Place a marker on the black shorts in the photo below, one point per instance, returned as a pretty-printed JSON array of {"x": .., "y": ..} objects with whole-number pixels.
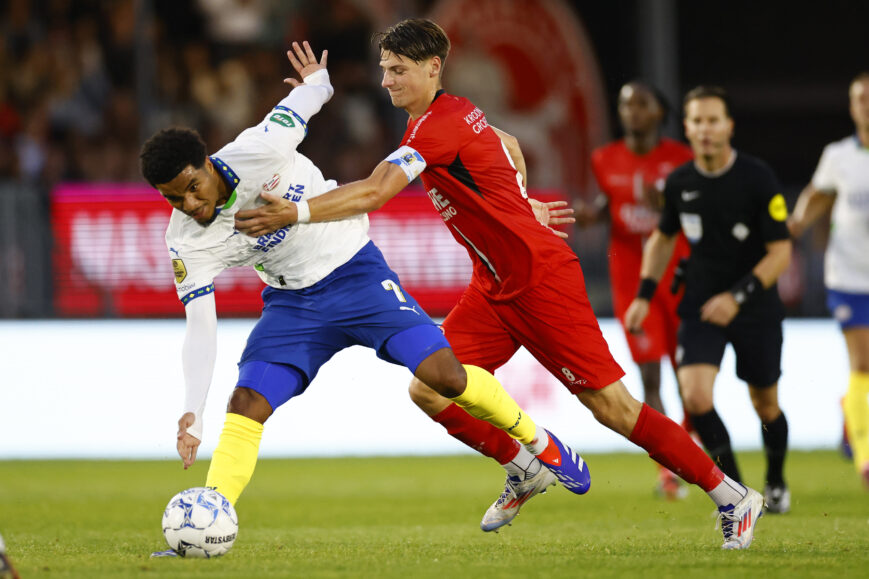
[{"x": 757, "y": 344}]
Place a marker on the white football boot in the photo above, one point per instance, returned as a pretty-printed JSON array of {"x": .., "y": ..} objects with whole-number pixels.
[
  {"x": 514, "y": 496},
  {"x": 738, "y": 521}
]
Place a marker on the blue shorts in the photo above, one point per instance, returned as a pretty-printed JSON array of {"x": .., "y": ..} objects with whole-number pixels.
[
  {"x": 849, "y": 309},
  {"x": 360, "y": 303}
]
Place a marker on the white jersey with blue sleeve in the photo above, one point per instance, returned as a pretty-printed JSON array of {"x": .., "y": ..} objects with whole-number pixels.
[
  {"x": 261, "y": 159},
  {"x": 844, "y": 171},
  {"x": 264, "y": 159}
]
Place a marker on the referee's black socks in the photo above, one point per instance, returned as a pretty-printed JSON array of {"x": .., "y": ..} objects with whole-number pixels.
[
  {"x": 775, "y": 444},
  {"x": 713, "y": 434}
]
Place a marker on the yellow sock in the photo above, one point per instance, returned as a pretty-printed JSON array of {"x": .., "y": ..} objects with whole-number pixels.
[
  {"x": 856, "y": 409},
  {"x": 234, "y": 459},
  {"x": 486, "y": 399}
]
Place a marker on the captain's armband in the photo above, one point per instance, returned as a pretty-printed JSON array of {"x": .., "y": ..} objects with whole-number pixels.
[{"x": 409, "y": 161}]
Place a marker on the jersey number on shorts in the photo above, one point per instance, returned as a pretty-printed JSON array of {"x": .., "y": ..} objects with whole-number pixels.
[{"x": 390, "y": 285}]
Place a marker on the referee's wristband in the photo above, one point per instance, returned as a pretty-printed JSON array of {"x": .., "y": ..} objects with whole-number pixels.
[
  {"x": 303, "y": 211},
  {"x": 747, "y": 289},
  {"x": 647, "y": 289}
]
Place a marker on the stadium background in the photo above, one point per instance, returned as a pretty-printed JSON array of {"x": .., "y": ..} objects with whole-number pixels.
[{"x": 83, "y": 83}]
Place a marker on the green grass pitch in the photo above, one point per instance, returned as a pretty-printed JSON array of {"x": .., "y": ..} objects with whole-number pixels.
[{"x": 419, "y": 517}]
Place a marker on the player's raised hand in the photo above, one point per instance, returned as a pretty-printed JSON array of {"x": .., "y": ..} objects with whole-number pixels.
[
  {"x": 303, "y": 60},
  {"x": 552, "y": 213},
  {"x": 187, "y": 444},
  {"x": 276, "y": 213}
]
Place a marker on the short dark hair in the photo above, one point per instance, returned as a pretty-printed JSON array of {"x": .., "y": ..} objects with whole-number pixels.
[
  {"x": 863, "y": 76},
  {"x": 705, "y": 92},
  {"x": 416, "y": 38},
  {"x": 168, "y": 152}
]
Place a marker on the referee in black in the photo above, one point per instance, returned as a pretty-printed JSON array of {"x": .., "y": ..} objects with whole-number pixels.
[{"x": 729, "y": 206}]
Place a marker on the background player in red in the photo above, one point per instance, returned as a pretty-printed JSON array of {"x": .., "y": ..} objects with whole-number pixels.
[
  {"x": 527, "y": 287},
  {"x": 630, "y": 173}
]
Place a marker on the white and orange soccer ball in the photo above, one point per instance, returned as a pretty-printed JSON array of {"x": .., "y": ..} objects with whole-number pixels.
[{"x": 200, "y": 523}]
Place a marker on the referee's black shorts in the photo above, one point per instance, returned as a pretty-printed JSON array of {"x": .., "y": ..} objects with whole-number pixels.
[{"x": 757, "y": 344}]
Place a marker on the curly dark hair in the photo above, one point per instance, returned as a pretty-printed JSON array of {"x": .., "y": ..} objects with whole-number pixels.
[{"x": 168, "y": 152}]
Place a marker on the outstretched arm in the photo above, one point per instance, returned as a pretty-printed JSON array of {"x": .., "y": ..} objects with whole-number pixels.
[
  {"x": 356, "y": 198},
  {"x": 511, "y": 143},
  {"x": 548, "y": 214},
  {"x": 197, "y": 359},
  {"x": 656, "y": 256},
  {"x": 811, "y": 205}
]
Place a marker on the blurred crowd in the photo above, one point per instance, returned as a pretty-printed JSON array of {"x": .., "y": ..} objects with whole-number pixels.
[{"x": 84, "y": 82}]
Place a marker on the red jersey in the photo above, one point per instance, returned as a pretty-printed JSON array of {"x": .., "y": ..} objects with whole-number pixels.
[
  {"x": 622, "y": 176},
  {"x": 473, "y": 184}
]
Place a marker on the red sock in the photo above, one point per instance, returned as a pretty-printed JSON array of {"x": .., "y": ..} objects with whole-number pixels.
[
  {"x": 668, "y": 444},
  {"x": 478, "y": 434}
]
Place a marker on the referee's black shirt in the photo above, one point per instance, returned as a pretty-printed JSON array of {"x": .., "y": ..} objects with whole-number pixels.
[{"x": 728, "y": 217}]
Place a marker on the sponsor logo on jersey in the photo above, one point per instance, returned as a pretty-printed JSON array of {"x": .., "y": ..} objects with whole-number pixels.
[
  {"x": 476, "y": 120},
  {"x": 690, "y": 195},
  {"x": 272, "y": 183},
  {"x": 282, "y": 119},
  {"x": 294, "y": 193},
  {"x": 266, "y": 242},
  {"x": 778, "y": 209},
  {"x": 441, "y": 204},
  {"x": 179, "y": 269}
]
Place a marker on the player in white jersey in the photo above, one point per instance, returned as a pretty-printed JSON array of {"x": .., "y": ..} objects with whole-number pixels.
[
  {"x": 841, "y": 185},
  {"x": 328, "y": 287}
]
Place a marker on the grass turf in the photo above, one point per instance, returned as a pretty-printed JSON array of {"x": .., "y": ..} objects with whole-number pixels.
[{"x": 418, "y": 517}]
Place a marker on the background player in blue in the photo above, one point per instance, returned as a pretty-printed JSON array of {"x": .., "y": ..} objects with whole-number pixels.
[
  {"x": 328, "y": 288},
  {"x": 729, "y": 207}
]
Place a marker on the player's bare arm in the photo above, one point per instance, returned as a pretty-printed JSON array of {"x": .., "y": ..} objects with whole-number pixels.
[
  {"x": 812, "y": 204},
  {"x": 656, "y": 256},
  {"x": 356, "y": 198},
  {"x": 548, "y": 214},
  {"x": 720, "y": 309},
  {"x": 515, "y": 151}
]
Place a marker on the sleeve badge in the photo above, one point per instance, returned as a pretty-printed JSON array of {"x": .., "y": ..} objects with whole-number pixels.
[{"x": 179, "y": 269}]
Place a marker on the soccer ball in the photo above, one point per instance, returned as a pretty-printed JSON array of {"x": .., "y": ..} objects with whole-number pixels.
[{"x": 200, "y": 523}]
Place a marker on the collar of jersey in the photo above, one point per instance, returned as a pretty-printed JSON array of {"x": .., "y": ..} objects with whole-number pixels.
[
  {"x": 231, "y": 178},
  {"x": 860, "y": 144}
]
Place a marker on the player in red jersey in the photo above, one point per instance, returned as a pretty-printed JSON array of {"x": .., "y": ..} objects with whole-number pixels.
[
  {"x": 630, "y": 174},
  {"x": 527, "y": 287}
]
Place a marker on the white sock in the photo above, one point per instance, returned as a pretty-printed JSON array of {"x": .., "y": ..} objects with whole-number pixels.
[
  {"x": 524, "y": 466},
  {"x": 540, "y": 442},
  {"x": 728, "y": 492}
]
